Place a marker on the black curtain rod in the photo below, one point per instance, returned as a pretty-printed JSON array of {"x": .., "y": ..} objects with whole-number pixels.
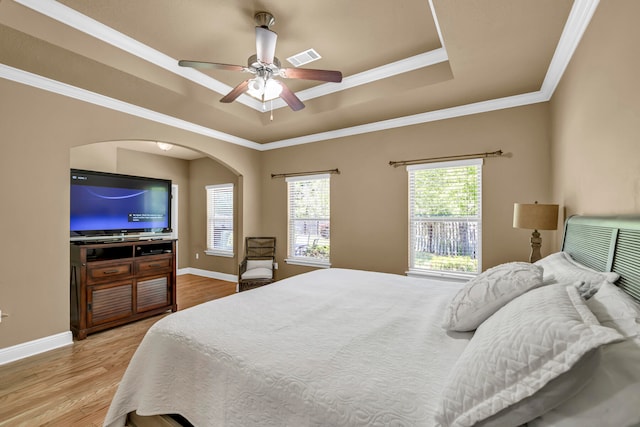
[
  {"x": 285, "y": 175},
  {"x": 445, "y": 158}
]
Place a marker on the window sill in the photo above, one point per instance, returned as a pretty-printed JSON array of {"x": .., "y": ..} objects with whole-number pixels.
[
  {"x": 219, "y": 253},
  {"x": 308, "y": 263},
  {"x": 441, "y": 275}
]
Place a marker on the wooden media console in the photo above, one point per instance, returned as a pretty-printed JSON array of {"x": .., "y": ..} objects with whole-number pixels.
[{"x": 118, "y": 282}]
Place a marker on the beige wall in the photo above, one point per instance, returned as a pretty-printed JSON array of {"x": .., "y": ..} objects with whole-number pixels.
[
  {"x": 581, "y": 150},
  {"x": 205, "y": 172},
  {"x": 595, "y": 115},
  {"x": 101, "y": 157},
  {"x": 368, "y": 195},
  {"x": 34, "y": 256},
  {"x": 369, "y": 208},
  {"x": 38, "y": 129}
]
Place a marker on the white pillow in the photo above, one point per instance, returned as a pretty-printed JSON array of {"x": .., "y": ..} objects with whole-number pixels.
[
  {"x": 611, "y": 397},
  {"x": 486, "y": 293},
  {"x": 259, "y": 263},
  {"x": 564, "y": 269},
  {"x": 615, "y": 308},
  {"x": 517, "y": 353},
  {"x": 556, "y": 391}
]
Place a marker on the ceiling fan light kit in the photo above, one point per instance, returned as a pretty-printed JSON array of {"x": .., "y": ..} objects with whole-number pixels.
[
  {"x": 265, "y": 67},
  {"x": 264, "y": 90}
]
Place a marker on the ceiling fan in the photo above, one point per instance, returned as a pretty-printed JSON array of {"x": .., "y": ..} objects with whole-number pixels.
[{"x": 265, "y": 67}]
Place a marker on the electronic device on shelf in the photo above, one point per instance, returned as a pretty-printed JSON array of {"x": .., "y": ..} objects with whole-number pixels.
[{"x": 155, "y": 248}]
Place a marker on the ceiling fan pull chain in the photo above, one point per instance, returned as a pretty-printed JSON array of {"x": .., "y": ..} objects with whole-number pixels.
[{"x": 272, "y": 110}]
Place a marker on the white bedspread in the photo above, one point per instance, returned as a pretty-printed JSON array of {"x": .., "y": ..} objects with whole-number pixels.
[{"x": 328, "y": 348}]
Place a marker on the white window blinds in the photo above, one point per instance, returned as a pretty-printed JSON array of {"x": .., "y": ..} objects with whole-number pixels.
[
  {"x": 220, "y": 219},
  {"x": 309, "y": 218},
  {"x": 445, "y": 216}
]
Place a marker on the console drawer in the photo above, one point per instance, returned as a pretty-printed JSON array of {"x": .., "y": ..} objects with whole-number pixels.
[
  {"x": 154, "y": 264},
  {"x": 99, "y": 272}
]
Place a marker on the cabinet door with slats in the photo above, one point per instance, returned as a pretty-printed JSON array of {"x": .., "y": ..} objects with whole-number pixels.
[
  {"x": 152, "y": 293},
  {"x": 110, "y": 302}
]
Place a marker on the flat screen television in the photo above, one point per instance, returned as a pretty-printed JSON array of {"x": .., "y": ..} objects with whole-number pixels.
[{"x": 111, "y": 205}]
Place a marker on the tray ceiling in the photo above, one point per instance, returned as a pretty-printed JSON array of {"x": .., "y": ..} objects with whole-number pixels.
[{"x": 403, "y": 62}]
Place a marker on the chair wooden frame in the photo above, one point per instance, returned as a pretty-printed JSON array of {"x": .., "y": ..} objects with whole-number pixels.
[{"x": 257, "y": 248}]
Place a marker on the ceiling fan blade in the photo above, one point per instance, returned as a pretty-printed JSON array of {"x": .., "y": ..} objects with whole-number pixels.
[
  {"x": 309, "y": 74},
  {"x": 211, "y": 65},
  {"x": 236, "y": 92},
  {"x": 265, "y": 45},
  {"x": 290, "y": 98}
]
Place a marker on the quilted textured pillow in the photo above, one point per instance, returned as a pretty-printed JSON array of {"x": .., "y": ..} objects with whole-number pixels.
[
  {"x": 517, "y": 353},
  {"x": 562, "y": 268},
  {"x": 486, "y": 293},
  {"x": 610, "y": 398}
]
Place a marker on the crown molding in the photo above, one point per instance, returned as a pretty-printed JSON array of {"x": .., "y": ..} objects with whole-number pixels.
[
  {"x": 98, "y": 30},
  {"x": 72, "y": 18},
  {"x": 578, "y": 21},
  {"x": 405, "y": 65},
  {"x": 436, "y": 22},
  {"x": 431, "y": 116},
  {"x": 54, "y": 86},
  {"x": 579, "y": 17}
]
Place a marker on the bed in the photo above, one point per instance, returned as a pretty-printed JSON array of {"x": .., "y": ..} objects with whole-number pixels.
[{"x": 341, "y": 347}]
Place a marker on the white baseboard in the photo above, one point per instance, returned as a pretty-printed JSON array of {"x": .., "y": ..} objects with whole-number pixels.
[
  {"x": 206, "y": 273},
  {"x": 31, "y": 348}
]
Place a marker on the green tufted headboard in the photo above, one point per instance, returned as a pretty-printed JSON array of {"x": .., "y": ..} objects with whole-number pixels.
[{"x": 607, "y": 244}]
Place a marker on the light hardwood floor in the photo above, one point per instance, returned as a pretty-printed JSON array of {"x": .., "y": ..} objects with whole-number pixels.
[{"x": 74, "y": 385}]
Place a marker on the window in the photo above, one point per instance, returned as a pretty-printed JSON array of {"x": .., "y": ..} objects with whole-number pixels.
[
  {"x": 309, "y": 220},
  {"x": 445, "y": 217},
  {"x": 220, "y": 219}
]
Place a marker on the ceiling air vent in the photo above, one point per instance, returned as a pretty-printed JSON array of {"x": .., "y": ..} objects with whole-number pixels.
[{"x": 305, "y": 57}]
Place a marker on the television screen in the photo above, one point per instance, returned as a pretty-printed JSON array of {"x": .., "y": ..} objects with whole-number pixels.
[{"x": 110, "y": 204}]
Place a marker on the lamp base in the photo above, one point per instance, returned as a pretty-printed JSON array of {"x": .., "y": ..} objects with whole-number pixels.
[{"x": 536, "y": 243}]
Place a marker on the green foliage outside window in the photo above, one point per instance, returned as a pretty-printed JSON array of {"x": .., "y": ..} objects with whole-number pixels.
[
  {"x": 448, "y": 192},
  {"x": 309, "y": 219},
  {"x": 445, "y": 218}
]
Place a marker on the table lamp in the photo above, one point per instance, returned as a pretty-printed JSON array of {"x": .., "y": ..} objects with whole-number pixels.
[{"x": 535, "y": 217}]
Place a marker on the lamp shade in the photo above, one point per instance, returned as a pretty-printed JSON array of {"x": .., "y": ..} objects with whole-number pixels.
[{"x": 535, "y": 216}]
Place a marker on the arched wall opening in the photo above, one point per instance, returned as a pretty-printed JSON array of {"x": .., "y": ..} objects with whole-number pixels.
[
  {"x": 190, "y": 171},
  {"x": 39, "y": 130}
]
